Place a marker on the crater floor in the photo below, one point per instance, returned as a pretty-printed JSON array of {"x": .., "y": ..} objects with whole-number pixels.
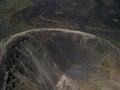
[{"x": 58, "y": 59}]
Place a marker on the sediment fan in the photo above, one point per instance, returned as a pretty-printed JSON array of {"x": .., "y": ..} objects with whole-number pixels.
[{"x": 58, "y": 59}]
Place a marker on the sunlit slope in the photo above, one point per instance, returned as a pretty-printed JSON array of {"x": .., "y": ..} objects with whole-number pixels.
[{"x": 58, "y": 59}]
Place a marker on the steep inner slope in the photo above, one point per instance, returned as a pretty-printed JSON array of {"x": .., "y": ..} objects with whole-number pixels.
[{"x": 58, "y": 59}]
